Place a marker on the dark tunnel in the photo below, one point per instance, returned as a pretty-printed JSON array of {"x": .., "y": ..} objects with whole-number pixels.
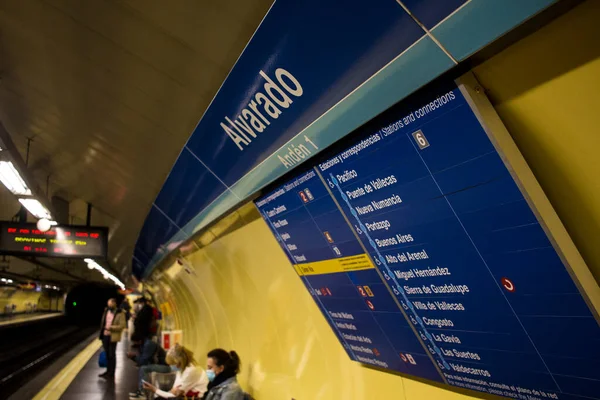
[{"x": 85, "y": 303}]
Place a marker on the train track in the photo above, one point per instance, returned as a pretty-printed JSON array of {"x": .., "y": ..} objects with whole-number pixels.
[{"x": 26, "y": 350}]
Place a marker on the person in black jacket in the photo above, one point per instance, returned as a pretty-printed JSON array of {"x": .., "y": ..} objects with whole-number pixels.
[
  {"x": 151, "y": 358},
  {"x": 143, "y": 319},
  {"x": 126, "y": 309}
]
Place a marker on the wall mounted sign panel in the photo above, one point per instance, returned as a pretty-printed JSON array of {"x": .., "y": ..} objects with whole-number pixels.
[
  {"x": 420, "y": 244},
  {"x": 60, "y": 241},
  {"x": 313, "y": 72},
  {"x": 333, "y": 264}
]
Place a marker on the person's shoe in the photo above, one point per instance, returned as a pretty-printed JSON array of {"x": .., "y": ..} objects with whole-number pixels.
[
  {"x": 136, "y": 395},
  {"x": 103, "y": 375}
]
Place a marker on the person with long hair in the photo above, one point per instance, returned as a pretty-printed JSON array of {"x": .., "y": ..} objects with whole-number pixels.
[
  {"x": 190, "y": 380},
  {"x": 222, "y": 368}
]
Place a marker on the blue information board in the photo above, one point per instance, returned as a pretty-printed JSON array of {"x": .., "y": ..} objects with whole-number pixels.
[{"x": 425, "y": 257}]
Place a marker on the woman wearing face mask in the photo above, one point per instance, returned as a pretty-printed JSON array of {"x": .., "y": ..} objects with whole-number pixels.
[
  {"x": 222, "y": 368},
  {"x": 190, "y": 381}
]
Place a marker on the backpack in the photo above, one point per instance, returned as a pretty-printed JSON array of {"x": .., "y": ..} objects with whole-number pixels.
[
  {"x": 102, "y": 361},
  {"x": 154, "y": 323}
]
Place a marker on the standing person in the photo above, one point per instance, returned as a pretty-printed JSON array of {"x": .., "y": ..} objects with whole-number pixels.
[
  {"x": 151, "y": 358},
  {"x": 154, "y": 323},
  {"x": 126, "y": 307},
  {"x": 136, "y": 309},
  {"x": 222, "y": 368},
  {"x": 143, "y": 319},
  {"x": 190, "y": 381},
  {"x": 113, "y": 323}
]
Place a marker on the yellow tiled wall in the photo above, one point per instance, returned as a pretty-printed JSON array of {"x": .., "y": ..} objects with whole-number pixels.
[
  {"x": 546, "y": 90},
  {"x": 17, "y": 297},
  {"x": 243, "y": 294},
  {"x": 53, "y": 302},
  {"x": 20, "y": 297}
]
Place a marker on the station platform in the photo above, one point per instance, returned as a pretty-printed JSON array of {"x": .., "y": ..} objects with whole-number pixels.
[
  {"x": 79, "y": 378},
  {"x": 6, "y": 320}
]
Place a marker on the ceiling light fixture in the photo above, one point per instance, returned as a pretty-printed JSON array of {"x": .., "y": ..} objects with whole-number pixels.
[
  {"x": 107, "y": 275},
  {"x": 15, "y": 176},
  {"x": 11, "y": 178},
  {"x": 35, "y": 208},
  {"x": 44, "y": 225}
]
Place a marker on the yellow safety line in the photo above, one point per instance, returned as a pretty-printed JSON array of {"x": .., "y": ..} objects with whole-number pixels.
[
  {"x": 57, "y": 386},
  {"x": 32, "y": 318}
]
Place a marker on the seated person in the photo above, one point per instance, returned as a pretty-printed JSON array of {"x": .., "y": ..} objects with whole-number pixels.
[
  {"x": 151, "y": 358},
  {"x": 190, "y": 381},
  {"x": 221, "y": 369}
]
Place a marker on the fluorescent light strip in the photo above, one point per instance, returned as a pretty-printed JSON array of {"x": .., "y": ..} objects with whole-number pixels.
[
  {"x": 10, "y": 177},
  {"x": 107, "y": 275},
  {"x": 36, "y": 208},
  {"x": 13, "y": 181}
]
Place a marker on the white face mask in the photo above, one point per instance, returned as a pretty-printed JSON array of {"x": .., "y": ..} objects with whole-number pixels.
[{"x": 137, "y": 307}]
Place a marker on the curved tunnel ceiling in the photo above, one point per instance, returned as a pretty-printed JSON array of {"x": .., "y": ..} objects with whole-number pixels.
[{"x": 109, "y": 91}]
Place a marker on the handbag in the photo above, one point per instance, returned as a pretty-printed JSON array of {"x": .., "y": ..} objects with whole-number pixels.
[{"x": 102, "y": 361}]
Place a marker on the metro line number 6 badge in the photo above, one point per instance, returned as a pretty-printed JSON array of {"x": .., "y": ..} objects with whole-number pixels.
[{"x": 421, "y": 140}]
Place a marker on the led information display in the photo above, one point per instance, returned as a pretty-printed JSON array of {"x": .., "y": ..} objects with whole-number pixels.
[
  {"x": 425, "y": 258},
  {"x": 60, "y": 241}
]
